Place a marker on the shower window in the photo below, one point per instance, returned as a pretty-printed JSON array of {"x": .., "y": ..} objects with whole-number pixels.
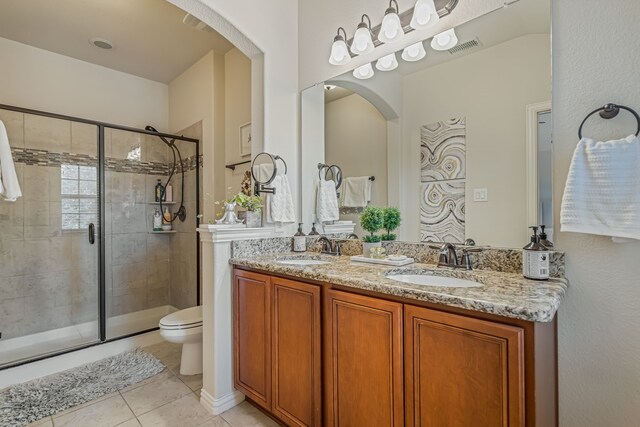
[{"x": 79, "y": 196}]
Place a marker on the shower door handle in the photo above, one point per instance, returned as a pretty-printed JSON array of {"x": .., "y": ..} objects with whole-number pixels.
[{"x": 92, "y": 233}]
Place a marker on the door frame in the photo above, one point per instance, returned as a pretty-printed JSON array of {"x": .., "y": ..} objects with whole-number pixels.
[{"x": 531, "y": 153}]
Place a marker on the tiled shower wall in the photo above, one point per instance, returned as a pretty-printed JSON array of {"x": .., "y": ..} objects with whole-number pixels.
[{"x": 48, "y": 277}]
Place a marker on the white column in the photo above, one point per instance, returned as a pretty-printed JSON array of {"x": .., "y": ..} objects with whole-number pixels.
[{"x": 217, "y": 393}]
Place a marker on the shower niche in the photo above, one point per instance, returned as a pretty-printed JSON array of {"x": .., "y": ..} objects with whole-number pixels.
[{"x": 80, "y": 263}]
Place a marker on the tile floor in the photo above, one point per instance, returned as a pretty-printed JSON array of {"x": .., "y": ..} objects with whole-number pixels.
[{"x": 165, "y": 400}]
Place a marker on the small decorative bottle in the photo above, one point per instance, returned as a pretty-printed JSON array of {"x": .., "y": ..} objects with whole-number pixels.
[
  {"x": 166, "y": 220},
  {"x": 160, "y": 194},
  {"x": 157, "y": 220},
  {"x": 168, "y": 193}
]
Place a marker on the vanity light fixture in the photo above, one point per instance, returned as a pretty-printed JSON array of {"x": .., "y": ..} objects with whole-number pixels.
[
  {"x": 339, "y": 50},
  {"x": 445, "y": 40},
  {"x": 363, "y": 72},
  {"x": 425, "y": 15},
  {"x": 413, "y": 53},
  {"x": 391, "y": 28},
  {"x": 387, "y": 63},
  {"x": 362, "y": 41}
]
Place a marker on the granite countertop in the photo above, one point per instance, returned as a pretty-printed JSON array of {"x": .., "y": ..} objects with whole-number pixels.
[{"x": 503, "y": 294}]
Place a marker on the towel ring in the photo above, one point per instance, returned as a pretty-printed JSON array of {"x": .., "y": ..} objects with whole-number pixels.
[
  {"x": 277, "y": 157},
  {"x": 609, "y": 111},
  {"x": 337, "y": 172}
]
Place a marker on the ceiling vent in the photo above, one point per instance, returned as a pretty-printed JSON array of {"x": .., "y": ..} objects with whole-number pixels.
[
  {"x": 461, "y": 47},
  {"x": 194, "y": 22}
]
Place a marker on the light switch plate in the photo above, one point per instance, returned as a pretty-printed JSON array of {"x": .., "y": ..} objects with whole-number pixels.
[{"x": 480, "y": 195}]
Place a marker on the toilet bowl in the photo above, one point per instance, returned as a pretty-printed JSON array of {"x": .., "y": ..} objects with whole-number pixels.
[{"x": 185, "y": 327}]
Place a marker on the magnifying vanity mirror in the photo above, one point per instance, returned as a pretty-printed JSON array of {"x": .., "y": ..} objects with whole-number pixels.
[
  {"x": 459, "y": 141},
  {"x": 264, "y": 170}
]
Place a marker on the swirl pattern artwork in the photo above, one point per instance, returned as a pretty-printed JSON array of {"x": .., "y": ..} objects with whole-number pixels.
[
  {"x": 443, "y": 150},
  {"x": 442, "y": 176}
]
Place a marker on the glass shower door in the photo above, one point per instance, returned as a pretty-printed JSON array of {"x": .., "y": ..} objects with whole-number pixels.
[{"x": 49, "y": 247}]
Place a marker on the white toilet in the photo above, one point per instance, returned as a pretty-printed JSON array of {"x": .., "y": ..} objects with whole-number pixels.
[{"x": 185, "y": 327}]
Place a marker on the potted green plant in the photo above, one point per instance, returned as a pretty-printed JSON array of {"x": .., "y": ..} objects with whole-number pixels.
[
  {"x": 371, "y": 220},
  {"x": 253, "y": 205},
  {"x": 391, "y": 222}
]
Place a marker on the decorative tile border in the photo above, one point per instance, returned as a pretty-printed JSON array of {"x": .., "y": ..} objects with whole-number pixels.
[{"x": 30, "y": 156}]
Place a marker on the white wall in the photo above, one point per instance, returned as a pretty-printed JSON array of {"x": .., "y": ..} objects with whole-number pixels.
[
  {"x": 599, "y": 321},
  {"x": 237, "y": 110},
  {"x": 192, "y": 98},
  {"x": 42, "y": 80},
  {"x": 491, "y": 88},
  {"x": 356, "y": 140},
  {"x": 267, "y": 32}
]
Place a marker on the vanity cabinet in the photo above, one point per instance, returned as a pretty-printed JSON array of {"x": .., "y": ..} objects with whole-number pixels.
[
  {"x": 277, "y": 346},
  {"x": 363, "y": 361},
  {"x": 454, "y": 362},
  {"x": 313, "y": 355}
]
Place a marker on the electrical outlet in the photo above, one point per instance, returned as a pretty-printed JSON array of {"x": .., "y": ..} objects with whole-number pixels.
[{"x": 480, "y": 195}]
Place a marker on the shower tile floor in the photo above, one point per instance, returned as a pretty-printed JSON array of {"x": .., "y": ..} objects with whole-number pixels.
[{"x": 165, "y": 400}]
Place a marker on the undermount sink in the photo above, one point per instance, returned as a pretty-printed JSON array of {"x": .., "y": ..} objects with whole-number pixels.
[
  {"x": 302, "y": 260},
  {"x": 432, "y": 279}
]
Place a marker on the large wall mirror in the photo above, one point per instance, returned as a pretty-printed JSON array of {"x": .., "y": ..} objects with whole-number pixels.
[{"x": 459, "y": 141}]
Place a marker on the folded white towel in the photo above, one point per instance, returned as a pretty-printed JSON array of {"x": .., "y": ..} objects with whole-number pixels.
[
  {"x": 327, "y": 202},
  {"x": 356, "y": 192},
  {"x": 9, "y": 185},
  {"x": 602, "y": 193},
  {"x": 280, "y": 204}
]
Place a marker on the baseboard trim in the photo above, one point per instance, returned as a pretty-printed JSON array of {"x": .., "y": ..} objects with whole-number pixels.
[{"x": 218, "y": 406}]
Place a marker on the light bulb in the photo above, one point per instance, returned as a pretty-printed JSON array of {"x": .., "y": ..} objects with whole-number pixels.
[
  {"x": 362, "y": 42},
  {"x": 391, "y": 28},
  {"x": 445, "y": 40},
  {"x": 387, "y": 63},
  {"x": 425, "y": 15},
  {"x": 413, "y": 53},
  {"x": 363, "y": 72},
  {"x": 339, "y": 50}
]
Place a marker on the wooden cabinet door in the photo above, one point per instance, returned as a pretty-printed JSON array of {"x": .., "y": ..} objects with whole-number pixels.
[
  {"x": 252, "y": 336},
  {"x": 462, "y": 372},
  {"x": 363, "y": 361},
  {"x": 296, "y": 352}
]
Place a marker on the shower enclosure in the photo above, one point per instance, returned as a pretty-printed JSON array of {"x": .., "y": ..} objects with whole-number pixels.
[{"x": 80, "y": 263}]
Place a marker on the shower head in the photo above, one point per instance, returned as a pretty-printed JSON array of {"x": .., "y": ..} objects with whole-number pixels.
[{"x": 150, "y": 128}]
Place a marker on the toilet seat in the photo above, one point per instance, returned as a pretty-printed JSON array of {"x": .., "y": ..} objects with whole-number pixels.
[{"x": 183, "y": 319}]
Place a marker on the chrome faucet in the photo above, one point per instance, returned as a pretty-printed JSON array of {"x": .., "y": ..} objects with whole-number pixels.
[{"x": 449, "y": 257}]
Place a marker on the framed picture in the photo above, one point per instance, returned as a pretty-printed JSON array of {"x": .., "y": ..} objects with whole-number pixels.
[{"x": 245, "y": 139}]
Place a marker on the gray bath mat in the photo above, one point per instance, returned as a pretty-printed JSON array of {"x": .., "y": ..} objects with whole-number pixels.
[{"x": 31, "y": 401}]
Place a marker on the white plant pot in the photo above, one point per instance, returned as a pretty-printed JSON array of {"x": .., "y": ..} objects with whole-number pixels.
[
  {"x": 254, "y": 219},
  {"x": 366, "y": 248}
]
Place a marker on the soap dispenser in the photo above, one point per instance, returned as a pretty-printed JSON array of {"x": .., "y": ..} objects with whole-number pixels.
[
  {"x": 535, "y": 259},
  {"x": 299, "y": 240},
  {"x": 314, "y": 232},
  {"x": 543, "y": 239}
]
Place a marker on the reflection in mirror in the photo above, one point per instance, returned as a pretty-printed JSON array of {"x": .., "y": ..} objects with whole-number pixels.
[
  {"x": 544, "y": 169},
  {"x": 330, "y": 173},
  {"x": 263, "y": 168},
  {"x": 447, "y": 137}
]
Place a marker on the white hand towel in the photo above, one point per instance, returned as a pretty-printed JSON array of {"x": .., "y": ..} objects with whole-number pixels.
[
  {"x": 327, "y": 202},
  {"x": 9, "y": 185},
  {"x": 356, "y": 192},
  {"x": 280, "y": 204},
  {"x": 602, "y": 193}
]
